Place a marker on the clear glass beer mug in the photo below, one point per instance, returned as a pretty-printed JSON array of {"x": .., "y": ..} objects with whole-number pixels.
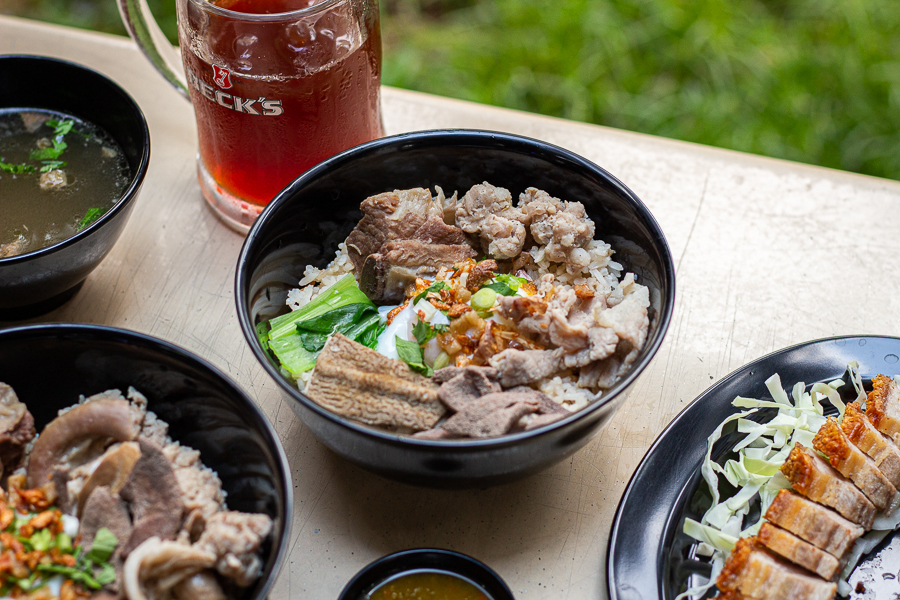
[{"x": 277, "y": 86}]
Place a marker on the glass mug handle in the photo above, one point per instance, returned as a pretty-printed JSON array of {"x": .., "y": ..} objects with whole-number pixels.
[{"x": 153, "y": 43}]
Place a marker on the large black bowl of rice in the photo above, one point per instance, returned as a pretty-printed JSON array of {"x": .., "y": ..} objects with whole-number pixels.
[{"x": 300, "y": 231}]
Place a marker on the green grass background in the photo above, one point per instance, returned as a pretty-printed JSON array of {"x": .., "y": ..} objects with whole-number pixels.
[{"x": 815, "y": 81}]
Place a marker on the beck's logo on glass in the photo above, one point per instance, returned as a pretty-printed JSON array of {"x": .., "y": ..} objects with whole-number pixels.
[
  {"x": 222, "y": 77},
  {"x": 261, "y": 106}
]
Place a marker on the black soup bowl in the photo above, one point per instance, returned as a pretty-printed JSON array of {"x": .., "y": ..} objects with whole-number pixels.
[
  {"x": 49, "y": 366},
  {"x": 38, "y": 281},
  {"x": 309, "y": 218}
]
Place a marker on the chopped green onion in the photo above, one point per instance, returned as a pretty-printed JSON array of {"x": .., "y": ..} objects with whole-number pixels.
[
  {"x": 16, "y": 169},
  {"x": 41, "y": 540},
  {"x": 484, "y": 299},
  {"x": 90, "y": 216},
  {"x": 442, "y": 360}
]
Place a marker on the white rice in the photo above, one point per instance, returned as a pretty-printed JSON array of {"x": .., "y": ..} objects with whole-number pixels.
[{"x": 315, "y": 280}]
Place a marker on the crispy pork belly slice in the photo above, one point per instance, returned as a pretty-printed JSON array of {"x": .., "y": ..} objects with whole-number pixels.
[
  {"x": 754, "y": 572},
  {"x": 853, "y": 463},
  {"x": 813, "y": 477},
  {"x": 883, "y": 406},
  {"x": 797, "y": 551},
  {"x": 814, "y": 523},
  {"x": 883, "y": 451}
]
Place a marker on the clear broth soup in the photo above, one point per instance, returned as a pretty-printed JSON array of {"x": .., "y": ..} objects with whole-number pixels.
[
  {"x": 58, "y": 174},
  {"x": 427, "y": 584}
]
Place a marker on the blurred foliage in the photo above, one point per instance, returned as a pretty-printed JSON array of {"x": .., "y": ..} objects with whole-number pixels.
[{"x": 816, "y": 81}]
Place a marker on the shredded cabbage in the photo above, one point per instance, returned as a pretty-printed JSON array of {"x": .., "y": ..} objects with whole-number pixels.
[{"x": 756, "y": 471}]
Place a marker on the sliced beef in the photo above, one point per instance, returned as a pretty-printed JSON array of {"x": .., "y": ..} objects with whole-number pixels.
[
  {"x": 467, "y": 384},
  {"x": 883, "y": 407},
  {"x": 521, "y": 367},
  {"x": 883, "y": 451},
  {"x": 389, "y": 216},
  {"x": 16, "y": 428},
  {"x": 813, "y": 477},
  {"x": 104, "y": 509},
  {"x": 814, "y": 523},
  {"x": 629, "y": 319},
  {"x": 435, "y": 231},
  {"x": 492, "y": 415},
  {"x": 753, "y": 572},
  {"x": 385, "y": 275},
  {"x": 797, "y": 551},
  {"x": 156, "y": 501},
  {"x": 853, "y": 463},
  {"x": 548, "y": 410},
  {"x": 602, "y": 374},
  {"x": 359, "y": 383},
  {"x": 401, "y": 236}
]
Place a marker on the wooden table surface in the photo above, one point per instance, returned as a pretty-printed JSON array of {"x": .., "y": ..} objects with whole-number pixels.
[{"x": 768, "y": 254}]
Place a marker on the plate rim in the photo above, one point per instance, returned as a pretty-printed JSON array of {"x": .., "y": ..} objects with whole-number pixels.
[{"x": 684, "y": 414}]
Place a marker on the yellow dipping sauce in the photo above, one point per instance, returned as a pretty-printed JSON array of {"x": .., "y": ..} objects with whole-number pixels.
[{"x": 427, "y": 585}]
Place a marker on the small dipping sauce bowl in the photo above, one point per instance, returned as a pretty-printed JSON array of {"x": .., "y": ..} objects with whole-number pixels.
[
  {"x": 36, "y": 282},
  {"x": 393, "y": 567}
]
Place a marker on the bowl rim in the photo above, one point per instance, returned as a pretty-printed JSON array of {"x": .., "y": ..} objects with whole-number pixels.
[
  {"x": 137, "y": 178},
  {"x": 106, "y": 332},
  {"x": 393, "y": 564},
  {"x": 454, "y": 137}
]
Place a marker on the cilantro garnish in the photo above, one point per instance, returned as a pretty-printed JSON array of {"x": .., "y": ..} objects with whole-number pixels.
[
  {"x": 60, "y": 129},
  {"x": 425, "y": 331},
  {"x": 16, "y": 169},
  {"x": 435, "y": 287},
  {"x": 411, "y": 354},
  {"x": 49, "y": 165},
  {"x": 90, "y": 216}
]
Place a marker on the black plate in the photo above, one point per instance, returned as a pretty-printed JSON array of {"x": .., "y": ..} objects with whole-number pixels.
[{"x": 649, "y": 557}]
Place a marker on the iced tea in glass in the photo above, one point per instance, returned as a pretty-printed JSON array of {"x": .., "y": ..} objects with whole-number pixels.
[{"x": 277, "y": 86}]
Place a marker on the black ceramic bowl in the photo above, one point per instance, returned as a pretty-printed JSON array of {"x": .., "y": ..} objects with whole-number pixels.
[
  {"x": 38, "y": 281},
  {"x": 306, "y": 221},
  {"x": 49, "y": 366},
  {"x": 425, "y": 559}
]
